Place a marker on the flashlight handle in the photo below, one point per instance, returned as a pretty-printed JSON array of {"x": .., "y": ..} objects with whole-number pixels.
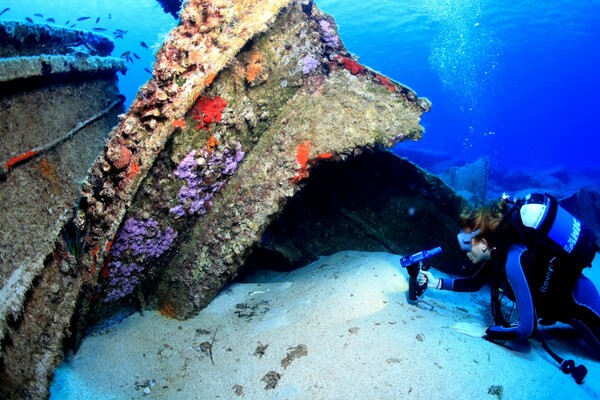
[
  {"x": 414, "y": 289},
  {"x": 413, "y": 286},
  {"x": 411, "y": 263}
]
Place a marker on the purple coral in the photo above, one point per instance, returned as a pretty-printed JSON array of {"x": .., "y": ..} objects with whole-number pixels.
[
  {"x": 137, "y": 239},
  {"x": 203, "y": 177},
  {"x": 309, "y": 64},
  {"x": 142, "y": 238},
  {"x": 123, "y": 280},
  {"x": 329, "y": 36},
  {"x": 185, "y": 168}
]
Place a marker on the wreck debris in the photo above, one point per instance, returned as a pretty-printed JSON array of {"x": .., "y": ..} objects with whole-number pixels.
[
  {"x": 294, "y": 353},
  {"x": 271, "y": 379},
  {"x": 261, "y": 350},
  {"x": 6, "y": 166},
  {"x": 373, "y": 201},
  {"x": 369, "y": 230},
  {"x": 470, "y": 180},
  {"x": 51, "y": 78},
  {"x": 286, "y": 125},
  {"x": 212, "y": 342},
  {"x": 49, "y": 40},
  {"x": 251, "y": 54}
]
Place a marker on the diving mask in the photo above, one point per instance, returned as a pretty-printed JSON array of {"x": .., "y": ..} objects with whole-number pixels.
[{"x": 464, "y": 239}]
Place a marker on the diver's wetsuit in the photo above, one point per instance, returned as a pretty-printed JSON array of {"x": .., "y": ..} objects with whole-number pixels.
[{"x": 579, "y": 307}]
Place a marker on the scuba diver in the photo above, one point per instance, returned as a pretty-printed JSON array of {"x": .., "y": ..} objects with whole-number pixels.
[{"x": 532, "y": 252}]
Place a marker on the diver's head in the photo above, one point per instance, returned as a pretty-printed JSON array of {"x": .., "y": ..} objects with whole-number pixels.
[
  {"x": 478, "y": 231},
  {"x": 476, "y": 247}
]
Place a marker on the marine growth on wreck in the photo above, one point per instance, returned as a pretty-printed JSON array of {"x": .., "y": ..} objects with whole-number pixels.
[{"x": 245, "y": 99}]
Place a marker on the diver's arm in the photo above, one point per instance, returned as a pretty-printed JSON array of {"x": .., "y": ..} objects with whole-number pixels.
[
  {"x": 469, "y": 284},
  {"x": 516, "y": 278}
]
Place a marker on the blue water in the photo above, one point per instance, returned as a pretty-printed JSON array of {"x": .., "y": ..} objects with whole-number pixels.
[
  {"x": 515, "y": 80},
  {"x": 144, "y": 21}
]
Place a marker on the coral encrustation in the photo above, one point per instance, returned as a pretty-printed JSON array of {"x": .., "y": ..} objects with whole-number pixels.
[
  {"x": 329, "y": 35},
  {"x": 204, "y": 173},
  {"x": 309, "y": 64},
  {"x": 136, "y": 240},
  {"x": 207, "y": 111}
]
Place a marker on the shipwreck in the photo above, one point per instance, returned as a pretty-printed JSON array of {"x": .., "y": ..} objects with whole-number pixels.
[{"x": 254, "y": 108}]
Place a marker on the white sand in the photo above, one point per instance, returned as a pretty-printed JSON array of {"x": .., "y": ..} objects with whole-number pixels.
[{"x": 362, "y": 340}]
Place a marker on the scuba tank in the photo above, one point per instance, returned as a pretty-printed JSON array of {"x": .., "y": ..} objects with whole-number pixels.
[{"x": 548, "y": 223}]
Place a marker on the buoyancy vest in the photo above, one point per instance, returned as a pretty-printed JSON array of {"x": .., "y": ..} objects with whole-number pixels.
[{"x": 560, "y": 246}]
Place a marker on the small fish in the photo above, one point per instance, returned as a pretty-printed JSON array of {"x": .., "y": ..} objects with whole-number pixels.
[
  {"x": 50, "y": 20},
  {"x": 38, "y": 15},
  {"x": 28, "y": 19},
  {"x": 67, "y": 23},
  {"x": 83, "y": 18},
  {"x": 119, "y": 33},
  {"x": 125, "y": 54},
  {"x": 136, "y": 56},
  {"x": 72, "y": 26},
  {"x": 144, "y": 45},
  {"x": 5, "y": 10},
  {"x": 129, "y": 59},
  {"x": 109, "y": 16},
  {"x": 99, "y": 29},
  {"x": 147, "y": 70},
  {"x": 97, "y": 19}
]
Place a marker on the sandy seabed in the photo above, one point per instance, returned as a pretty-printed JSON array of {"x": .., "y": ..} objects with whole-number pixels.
[{"x": 339, "y": 328}]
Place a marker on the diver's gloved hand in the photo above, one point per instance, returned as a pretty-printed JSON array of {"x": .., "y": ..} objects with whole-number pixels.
[{"x": 426, "y": 276}]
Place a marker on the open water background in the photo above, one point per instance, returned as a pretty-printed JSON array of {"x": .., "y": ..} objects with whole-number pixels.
[{"x": 515, "y": 80}]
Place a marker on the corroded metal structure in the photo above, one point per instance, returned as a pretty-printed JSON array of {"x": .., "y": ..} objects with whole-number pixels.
[
  {"x": 58, "y": 101},
  {"x": 246, "y": 97}
]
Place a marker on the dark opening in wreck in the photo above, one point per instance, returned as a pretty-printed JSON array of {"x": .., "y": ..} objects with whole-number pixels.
[{"x": 372, "y": 201}]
